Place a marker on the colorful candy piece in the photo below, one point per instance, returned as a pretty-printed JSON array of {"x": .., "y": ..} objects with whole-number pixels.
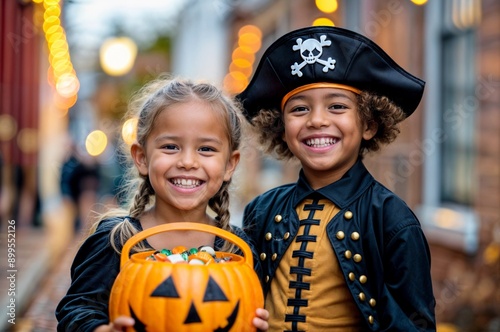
[
  {"x": 176, "y": 258},
  {"x": 160, "y": 257},
  {"x": 166, "y": 252},
  {"x": 203, "y": 256},
  {"x": 196, "y": 261},
  {"x": 208, "y": 249},
  {"x": 179, "y": 250}
]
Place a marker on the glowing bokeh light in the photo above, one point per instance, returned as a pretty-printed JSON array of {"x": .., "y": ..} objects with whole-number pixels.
[
  {"x": 323, "y": 21},
  {"x": 96, "y": 142},
  {"x": 118, "y": 55},
  {"x": 8, "y": 127},
  {"x": 129, "y": 131},
  {"x": 327, "y": 6}
]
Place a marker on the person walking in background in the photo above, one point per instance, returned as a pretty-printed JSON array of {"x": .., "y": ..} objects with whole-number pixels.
[
  {"x": 188, "y": 136},
  {"x": 340, "y": 252},
  {"x": 80, "y": 178}
]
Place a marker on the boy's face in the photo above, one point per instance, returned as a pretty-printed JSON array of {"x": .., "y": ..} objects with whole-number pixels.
[{"x": 323, "y": 130}]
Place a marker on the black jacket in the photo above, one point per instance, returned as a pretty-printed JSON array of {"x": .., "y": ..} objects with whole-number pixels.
[{"x": 390, "y": 281}]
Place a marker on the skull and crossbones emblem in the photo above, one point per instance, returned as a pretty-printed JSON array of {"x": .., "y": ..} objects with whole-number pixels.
[{"x": 311, "y": 51}]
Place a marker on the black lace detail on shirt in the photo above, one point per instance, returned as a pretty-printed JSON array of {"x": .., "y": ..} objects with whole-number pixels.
[{"x": 301, "y": 271}]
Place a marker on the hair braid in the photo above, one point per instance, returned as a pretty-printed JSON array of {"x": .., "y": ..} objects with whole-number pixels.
[
  {"x": 220, "y": 205},
  {"x": 142, "y": 198}
]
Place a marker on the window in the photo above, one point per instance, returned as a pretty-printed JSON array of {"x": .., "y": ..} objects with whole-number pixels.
[{"x": 446, "y": 213}]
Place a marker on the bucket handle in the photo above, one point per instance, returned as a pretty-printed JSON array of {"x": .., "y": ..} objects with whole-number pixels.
[{"x": 186, "y": 226}]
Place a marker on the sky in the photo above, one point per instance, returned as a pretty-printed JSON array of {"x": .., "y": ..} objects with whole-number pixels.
[{"x": 88, "y": 22}]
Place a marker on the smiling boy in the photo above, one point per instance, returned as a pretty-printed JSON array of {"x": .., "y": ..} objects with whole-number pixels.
[{"x": 340, "y": 251}]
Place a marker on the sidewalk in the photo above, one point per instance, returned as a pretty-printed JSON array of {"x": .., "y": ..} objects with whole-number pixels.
[{"x": 40, "y": 277}]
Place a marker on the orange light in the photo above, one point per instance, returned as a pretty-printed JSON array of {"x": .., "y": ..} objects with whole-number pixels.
[
  {"x": 323, "y": 21},
  {"x": 327, "y": 6}
]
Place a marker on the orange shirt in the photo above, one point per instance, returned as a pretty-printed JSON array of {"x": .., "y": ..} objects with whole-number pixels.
[{"x": 309, "y": 292}]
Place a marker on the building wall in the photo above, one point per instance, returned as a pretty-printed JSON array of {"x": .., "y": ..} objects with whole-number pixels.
[{"x": 19, "y": 96}]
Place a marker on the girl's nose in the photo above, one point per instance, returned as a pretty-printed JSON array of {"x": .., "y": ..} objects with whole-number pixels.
[{"x": 188, "y": 160}]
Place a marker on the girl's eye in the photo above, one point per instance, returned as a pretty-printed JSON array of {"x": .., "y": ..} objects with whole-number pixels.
[
  {"x": 207, "y": 149},
  {"x": 169, "y": 147}
]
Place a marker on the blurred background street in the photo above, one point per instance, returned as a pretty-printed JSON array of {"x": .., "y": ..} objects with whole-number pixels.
[{"x": 68, "y": 69}]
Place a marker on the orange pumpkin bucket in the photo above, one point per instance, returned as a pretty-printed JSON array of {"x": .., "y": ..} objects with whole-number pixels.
[{"x": 164, "y": 296}]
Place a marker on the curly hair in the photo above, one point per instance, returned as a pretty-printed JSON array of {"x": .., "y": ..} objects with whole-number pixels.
[{"x": 269, "y": 127}]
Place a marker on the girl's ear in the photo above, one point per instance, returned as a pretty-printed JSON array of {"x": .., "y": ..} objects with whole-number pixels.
[
  {"x": 139, "y": 157},
  {"x": 370, "y": 129},
  {"x": 233, "y": 161}
]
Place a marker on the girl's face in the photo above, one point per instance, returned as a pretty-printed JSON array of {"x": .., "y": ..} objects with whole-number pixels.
[
  {"x": 187, "y": 156},
  {"x": 323, "y": 130}
]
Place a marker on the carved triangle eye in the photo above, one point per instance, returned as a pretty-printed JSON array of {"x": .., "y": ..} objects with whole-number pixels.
[
  {"x": 166, "y": 289},
  {"x": 214, "y": 292}
]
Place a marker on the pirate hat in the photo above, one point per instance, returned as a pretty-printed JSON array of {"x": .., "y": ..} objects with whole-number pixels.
[{"x": 328, "y": 55}]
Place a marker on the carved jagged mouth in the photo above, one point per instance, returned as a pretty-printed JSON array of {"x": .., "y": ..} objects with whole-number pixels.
[
  {"x": 321, "y": 142},
  {"x": 186, "y": 183}
]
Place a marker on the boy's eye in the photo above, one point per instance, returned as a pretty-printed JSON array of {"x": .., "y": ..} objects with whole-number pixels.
[
  {"x": 338, "y": 107},
  {"x": 299, "y": 109}
]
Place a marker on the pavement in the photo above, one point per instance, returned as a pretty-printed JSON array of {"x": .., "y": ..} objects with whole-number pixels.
[{"x": 40, "y": 276}]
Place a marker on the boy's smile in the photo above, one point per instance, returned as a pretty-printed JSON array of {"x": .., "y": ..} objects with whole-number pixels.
[{"x": 323, "y": 130}]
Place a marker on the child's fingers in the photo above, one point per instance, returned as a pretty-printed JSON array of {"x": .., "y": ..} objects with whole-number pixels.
[
  {"x": 262, "y": 313},
  {"x": 121, "y": 322}
]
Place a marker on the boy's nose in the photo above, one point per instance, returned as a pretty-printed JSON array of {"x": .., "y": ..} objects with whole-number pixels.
[{"x": 317, "y": 119}]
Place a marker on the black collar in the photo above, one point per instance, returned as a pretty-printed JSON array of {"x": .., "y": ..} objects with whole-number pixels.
[{"x": 341, "y": 192}]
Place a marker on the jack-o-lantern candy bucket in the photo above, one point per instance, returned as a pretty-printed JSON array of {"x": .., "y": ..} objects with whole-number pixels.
[{"x": 164, "y": 296}]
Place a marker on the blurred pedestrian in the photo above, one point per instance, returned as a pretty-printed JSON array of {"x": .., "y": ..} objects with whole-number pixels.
[
  {"x": 340, "y": 252},
  {"x": 80, "y": 185}
]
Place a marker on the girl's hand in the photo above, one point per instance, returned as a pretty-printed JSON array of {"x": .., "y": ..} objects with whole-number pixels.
[
  {"x": 118, "y": 325},
  {"x": 260, "y": 322}
]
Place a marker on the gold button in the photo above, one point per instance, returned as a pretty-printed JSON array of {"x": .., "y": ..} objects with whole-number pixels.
[
  {"x": 362, "y": 296},
  {"x": 348, "y": 215},
  {"x": 363, "y": 279},
  {"x": 278, "y": 218},
  {"x": 269, "y": 236},
  {"x": 267, "y": 278},
  {"x": 371, "y": 319},
  {"x": 340, "y": 235},
  {"x": 286, "y": 236},
  {"x": 274, "y": 256},
  {"x": 348, "y": 254},
  {"x": 352, "y": 277},
  {"x": 263, "y": 256},
  {"x": 372, "y": 302},
  {"x": 355, "y": 236},
  {"x": 357, "y": 258}
]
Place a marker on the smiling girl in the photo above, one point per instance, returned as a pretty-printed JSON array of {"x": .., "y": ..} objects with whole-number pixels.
[{"x": 188, "y": 136}]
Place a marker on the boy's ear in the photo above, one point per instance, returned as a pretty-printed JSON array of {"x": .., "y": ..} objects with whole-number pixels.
[
  {"x": 370, "y": 130},
  {"x": 233, "y": 161},
  {"x": 139, "y": 157}
]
